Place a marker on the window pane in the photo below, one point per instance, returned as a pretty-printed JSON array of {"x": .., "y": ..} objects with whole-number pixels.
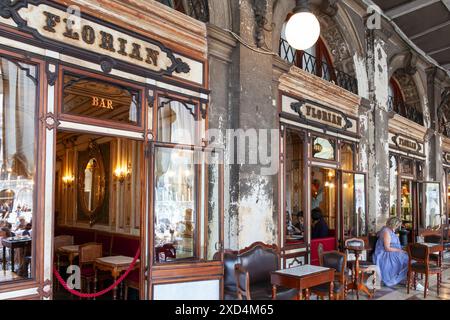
[
  {"x": 407, "y": 166},
  {"x": 360, "y": 205},
  {"x": 175, "y": 205},
  {"x": 294, "y": 188},
  {"x": 176, "y": 122},
  {"x": 18, "y": 103},
  {"x": 347, "y": 157},
  {"x": 348, "y": 202},
  {"x": 431, "y": 216},
  {"x": 393, "y": 174},
  {"x": 89, "y": 97},
  {"x": 354, "y": 205},
  {"x": 406, "y": 203},
  {"x": 323, "y": 148}
]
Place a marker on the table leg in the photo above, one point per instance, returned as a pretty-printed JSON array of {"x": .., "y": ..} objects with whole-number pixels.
[
  {"x": 331, "y": 290},
  {"x": 357, "y": 274},
  {"x": 300, "y": 294},
  {"x": 4, "y": 258},
  {"x": 95, "y": 280},
  {"x": 115, "y": 289},
  {"x": 12, "y": 259},
  {"x": 274, "y": 292}
]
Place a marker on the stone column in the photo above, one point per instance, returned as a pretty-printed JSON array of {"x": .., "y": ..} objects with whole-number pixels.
[
  {"x": 434, "y": 169},
  {"x": 378, "y": 131},
  {"x": 254, "y": 109}
]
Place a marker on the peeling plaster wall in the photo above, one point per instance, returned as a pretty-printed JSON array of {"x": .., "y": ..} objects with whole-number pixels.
[{"x": 378, "y": 135}]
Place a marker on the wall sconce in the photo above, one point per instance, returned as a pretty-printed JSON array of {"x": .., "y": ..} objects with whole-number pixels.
[
  {"x": 122, "y": 173},
  {"x": 317, "y": 148},
  {"x": 68, "y": 180}
]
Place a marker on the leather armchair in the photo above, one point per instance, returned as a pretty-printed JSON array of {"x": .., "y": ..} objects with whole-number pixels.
[{"x": 252, "y": 273}]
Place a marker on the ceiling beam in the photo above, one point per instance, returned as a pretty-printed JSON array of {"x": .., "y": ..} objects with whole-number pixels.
[
  {"x": 409, "y": 7},
  {"x": 438, "y": 50},
  {"x": 429, "y": 30},
  {"x": 447, "y": 4}
]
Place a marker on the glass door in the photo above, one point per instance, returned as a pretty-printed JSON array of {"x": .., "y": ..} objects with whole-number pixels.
[
  {"x": 188, "y": 203},
  {"x": 354, "y": 206},
  {"x": 430, "y": 215},
  {"x": 323, "y": 200}
]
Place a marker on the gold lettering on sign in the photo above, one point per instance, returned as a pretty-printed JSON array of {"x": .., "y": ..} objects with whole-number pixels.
[
  {"x": 407, "y": 144},
  {"x": 106, "y": 40},
  {"x": 323, "y": 116},
  {"x": 102, "y": 103}
]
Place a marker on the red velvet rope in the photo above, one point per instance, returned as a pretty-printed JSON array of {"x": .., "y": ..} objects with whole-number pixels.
[{"x": 100, "y": 293}]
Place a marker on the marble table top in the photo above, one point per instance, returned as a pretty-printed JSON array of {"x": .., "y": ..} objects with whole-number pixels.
[{"x": 302, "y": 271}]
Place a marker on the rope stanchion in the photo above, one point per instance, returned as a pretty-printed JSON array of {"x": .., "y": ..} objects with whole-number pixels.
[{"x": 104, "y": 291}]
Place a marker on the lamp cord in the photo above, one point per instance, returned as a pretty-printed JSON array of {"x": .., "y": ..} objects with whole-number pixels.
[{"x": 247, "y": 45}]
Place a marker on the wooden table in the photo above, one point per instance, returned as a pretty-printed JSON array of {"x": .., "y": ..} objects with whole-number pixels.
[
  {"x": 13, "y": 244},
  {"x": 115, "y": 265},
  {"x": 302, "y": 278},
  {"x": 71, "y": 252},
  {"x": 357, "y": 283},
  {"x": 436, "y": 248}
]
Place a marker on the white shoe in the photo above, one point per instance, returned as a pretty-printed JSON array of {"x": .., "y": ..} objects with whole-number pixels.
[{"x": 420, "y": 287}]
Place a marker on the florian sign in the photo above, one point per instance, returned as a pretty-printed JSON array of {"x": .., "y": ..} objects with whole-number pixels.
[
  {"x": 407, "y": 144},
  {"x": 447, "y": 157},
  {"x": 322, "y": 115},
  {"x": 50, "y": 23}
]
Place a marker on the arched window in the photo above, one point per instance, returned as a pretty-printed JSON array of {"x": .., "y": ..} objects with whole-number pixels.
[
  {"x": 401, "y": 105},
  {"x": 197, "y": 9},
  {"x": 395, "y": 98}
]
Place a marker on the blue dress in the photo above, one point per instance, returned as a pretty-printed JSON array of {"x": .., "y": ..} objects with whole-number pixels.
[{"x": 393, "y": 265}]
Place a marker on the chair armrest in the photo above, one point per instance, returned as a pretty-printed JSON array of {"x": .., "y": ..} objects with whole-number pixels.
[{"x": 242, "y": 281}]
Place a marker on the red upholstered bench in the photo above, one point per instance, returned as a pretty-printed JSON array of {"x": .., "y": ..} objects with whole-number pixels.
[
  {"x": 106, "y": 239},
  {"x": 123, "y": 245}
]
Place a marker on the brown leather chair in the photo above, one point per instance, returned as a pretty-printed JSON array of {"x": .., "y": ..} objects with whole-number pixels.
[
  {"x": 338, "y": 261},
  {"x": 88, "y": 253},
  {"x": 230, "y": 259},
  {"x": 433, "y": 238},
  {"x": 419, "y": 263},
  {"x": 252, "y": 273}
]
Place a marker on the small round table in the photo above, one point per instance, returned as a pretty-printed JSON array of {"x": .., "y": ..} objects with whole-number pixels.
[{"x": 358, "y": 284}]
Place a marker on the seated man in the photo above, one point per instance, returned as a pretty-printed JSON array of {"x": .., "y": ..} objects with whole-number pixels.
[{"x": 319, "y": 227}]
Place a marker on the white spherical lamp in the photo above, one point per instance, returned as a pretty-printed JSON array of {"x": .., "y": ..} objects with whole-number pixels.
[{"x": 303, "y": 28}]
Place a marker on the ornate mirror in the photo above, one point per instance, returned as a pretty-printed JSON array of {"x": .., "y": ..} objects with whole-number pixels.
[{"x": 92, "y": 183}]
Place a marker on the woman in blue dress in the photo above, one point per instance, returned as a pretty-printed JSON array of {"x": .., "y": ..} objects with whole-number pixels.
[{"x": 389, "y": 256}]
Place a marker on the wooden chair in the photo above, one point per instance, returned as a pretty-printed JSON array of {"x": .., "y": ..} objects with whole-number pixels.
[
  {"x": 419, "y": 263},
  {"x": 367, "y": 268},
  {"x": 320, "y": 253},
  {"x": 338, "y": 261},
  {"x": 58, "y": 242},
  {"x": 433, "y": 238},
  {"x": 88, "y": 253}
]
